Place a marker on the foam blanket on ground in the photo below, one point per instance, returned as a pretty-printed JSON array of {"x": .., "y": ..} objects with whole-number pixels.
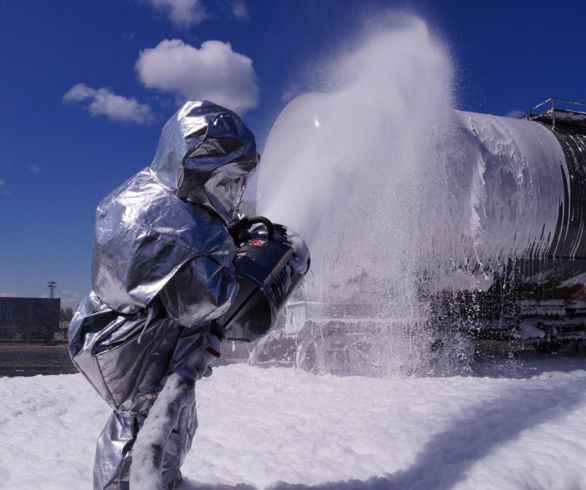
[{"x": 284, "y": 429}]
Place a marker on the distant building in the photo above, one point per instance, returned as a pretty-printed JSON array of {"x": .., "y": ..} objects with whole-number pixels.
[{"x": 29, "y": 319}]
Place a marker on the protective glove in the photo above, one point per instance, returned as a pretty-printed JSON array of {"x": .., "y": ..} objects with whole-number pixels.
[
  {"x": 239, "y": 230},
  {"x": 210, "y": 352}
]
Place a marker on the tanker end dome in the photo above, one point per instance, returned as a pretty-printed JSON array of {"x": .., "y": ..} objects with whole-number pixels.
[{"x": 567, "y": 121}]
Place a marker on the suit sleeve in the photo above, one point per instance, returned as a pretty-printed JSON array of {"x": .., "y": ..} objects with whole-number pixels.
[{"x": 200, "y": 291}]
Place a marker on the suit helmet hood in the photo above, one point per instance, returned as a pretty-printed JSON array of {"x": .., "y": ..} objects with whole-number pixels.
[{"x": 205, "y": 156}]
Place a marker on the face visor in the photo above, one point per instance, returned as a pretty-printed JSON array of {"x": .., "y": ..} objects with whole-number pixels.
[{"x": 221, "y": 190}]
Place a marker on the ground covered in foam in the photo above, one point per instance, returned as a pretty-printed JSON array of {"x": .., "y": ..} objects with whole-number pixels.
[{"x": 508, "y": 427}]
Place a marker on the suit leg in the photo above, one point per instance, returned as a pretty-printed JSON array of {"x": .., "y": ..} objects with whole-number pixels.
[{"x": 113, "y": 452}]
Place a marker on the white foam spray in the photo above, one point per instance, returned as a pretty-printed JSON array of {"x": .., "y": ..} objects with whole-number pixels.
[{"x": 391, "y": 187}]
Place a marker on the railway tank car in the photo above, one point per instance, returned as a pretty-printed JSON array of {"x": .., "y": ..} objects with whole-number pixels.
[
  {"x": 543, "y": 299},
  {"x": 535, "y": 296}
]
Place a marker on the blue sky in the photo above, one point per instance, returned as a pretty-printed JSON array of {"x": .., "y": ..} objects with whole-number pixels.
[{"x": 86, "y": 87}]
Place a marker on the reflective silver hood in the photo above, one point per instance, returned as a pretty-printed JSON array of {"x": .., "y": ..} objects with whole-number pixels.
[{"x": 205, "y": 156}]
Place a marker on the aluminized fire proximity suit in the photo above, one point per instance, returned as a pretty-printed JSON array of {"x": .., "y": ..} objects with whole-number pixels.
[{"x": 162, "y": 271}]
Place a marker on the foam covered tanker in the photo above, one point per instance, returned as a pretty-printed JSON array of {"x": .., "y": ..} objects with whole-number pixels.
[
  {"x": 540, "y": 294},
  {"x": 537, "y": 292},
  {"x": 477, "y": 230}
]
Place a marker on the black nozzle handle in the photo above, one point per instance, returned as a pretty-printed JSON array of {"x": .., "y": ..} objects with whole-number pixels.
[{"x": 266, "y": 222}]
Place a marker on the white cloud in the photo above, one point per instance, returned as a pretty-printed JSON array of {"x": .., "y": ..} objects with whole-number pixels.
[
  {"x": 181, "y": 13},
  {"x": 34, "y": 168},
  {"x": 2, "y": 181},
  {"x": 105, "y": 102},
  {"x": 213, "y": 72},
  {"x": 240, "y": 9}
]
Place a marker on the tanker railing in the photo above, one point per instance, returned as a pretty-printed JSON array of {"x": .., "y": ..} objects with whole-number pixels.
[{"x": 558, "y": 111}]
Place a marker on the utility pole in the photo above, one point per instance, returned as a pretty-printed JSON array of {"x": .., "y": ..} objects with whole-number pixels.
[{"x": 52, "y": 285}]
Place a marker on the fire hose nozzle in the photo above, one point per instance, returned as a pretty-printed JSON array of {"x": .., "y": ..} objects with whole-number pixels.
[{"x": 241, "y": 229}]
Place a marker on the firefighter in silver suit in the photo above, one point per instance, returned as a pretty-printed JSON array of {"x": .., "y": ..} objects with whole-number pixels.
[{"x": 162, "y": 272}]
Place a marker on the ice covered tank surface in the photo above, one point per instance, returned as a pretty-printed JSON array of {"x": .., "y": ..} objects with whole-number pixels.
[{"x": 514, "y": 173}]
